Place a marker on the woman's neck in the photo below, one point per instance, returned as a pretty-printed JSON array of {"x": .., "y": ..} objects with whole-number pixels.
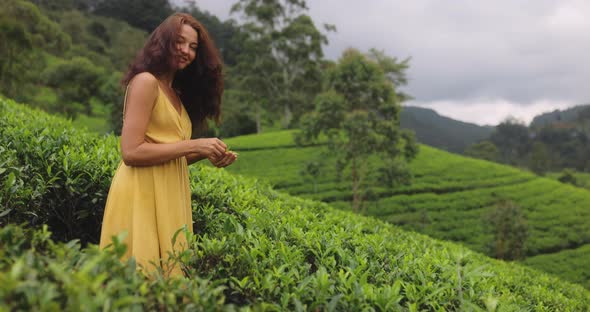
[{"x": 167, "y": 79}]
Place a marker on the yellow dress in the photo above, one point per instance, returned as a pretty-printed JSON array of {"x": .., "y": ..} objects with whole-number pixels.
[{"x": 151, "y": 203}]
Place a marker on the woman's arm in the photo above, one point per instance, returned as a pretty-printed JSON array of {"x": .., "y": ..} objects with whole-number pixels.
[
  {"x": 141, "y": 97},
  {"x": 218, "y": 162},
  {"x": 192, "y": 158}
]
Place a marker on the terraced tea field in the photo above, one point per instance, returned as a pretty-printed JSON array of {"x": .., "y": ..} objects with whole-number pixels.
[{"x": 449, "y": 197}]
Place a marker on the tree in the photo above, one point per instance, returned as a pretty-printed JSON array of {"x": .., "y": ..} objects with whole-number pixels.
[
  {"x": 226, "y": 34},
  {"x": 540, "y": 159},
  {"x": 311, "y": 170},
  {"x": 14, "y": 39},
  {"x": 143, "y": 14},
  {"x": 395, "y": 171},
  {"x": 568, "y": 176},
  {"x": 236, "y": 118},
  {"x": 112, "y": 94},
  {"x": 63, "y": 5},
  {"x": 483, "y": 150},
  {"x": 394, "y": 70},
  {"x": 76, "y": 82},
  {"x": 513, "y": 140},
  {"x": 359, "y": 116},
  {"x": 280, "y": 59},
  {"x": 24, "y": 33},
  {"x": 508, "y": 226}
]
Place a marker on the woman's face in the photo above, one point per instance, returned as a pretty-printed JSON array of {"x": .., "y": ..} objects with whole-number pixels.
[{"x": 186, "y": 45}]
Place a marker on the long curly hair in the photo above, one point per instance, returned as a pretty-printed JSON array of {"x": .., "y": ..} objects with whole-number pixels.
[{"x": 200, "y": 84}]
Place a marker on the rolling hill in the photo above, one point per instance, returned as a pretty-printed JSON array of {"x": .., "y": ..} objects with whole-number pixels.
[
  {"x": 442, "y": 132},
  {"x": 449, "y": 198},
  {"x": 566, "y": 115}
]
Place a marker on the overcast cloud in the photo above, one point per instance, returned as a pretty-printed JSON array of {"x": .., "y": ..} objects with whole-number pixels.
[{"x": 476, "y": 61}]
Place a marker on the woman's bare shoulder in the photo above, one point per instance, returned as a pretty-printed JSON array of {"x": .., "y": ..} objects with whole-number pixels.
[
  {"x": 144, "y": 79},
  {"x": 143, "y": 90}
]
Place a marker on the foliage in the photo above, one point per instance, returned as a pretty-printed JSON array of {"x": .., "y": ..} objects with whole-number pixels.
[
  {"x": 15, "y": 39},
  {"x": 359, "y": 115},
  {"x": 540, "y": 160},
  {"x": 394, "y": 70},
  {"x": 554, "y": 141},
  {"x": 485, "y": 150},
  {"x": 280, "y": 59},
  {"x": 567, "y": 176},
  {"x": 63, "y": 60},
  {"x": 310, "y": 257},
  {"x": 311, "y": 170},
  {"x": 509, "y": 231},
  {"x": 51, "y": 174},
  {"x": 570, "y": 264},
  {"x": 237, "y": 118},
  {"x": 226, "y": 34},
  {"x": 23, "y": 31},
  {"x": 76, "y": 82},
  {"x": 512, "y": 140},
  {"x": 143, "y": 14},
  {"x": 39, "y": 274},
  {"x": 447, "y": 199}
]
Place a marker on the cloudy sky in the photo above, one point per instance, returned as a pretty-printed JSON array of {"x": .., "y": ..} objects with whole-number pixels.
[{"x": 477, "y": 61}]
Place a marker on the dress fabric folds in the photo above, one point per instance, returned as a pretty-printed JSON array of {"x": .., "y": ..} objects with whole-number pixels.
[{"x": 150, "y": 204}]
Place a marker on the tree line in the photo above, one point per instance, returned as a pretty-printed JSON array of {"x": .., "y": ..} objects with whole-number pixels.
[{"x": 541, "y": 148}]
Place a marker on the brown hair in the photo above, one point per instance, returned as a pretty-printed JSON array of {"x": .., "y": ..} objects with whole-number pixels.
[{"x": 200, "y": 84}]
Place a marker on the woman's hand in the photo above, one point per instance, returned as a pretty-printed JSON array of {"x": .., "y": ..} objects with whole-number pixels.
[
  {"x": 225, "y": 160},
  {"x": 212, "y": 148}
]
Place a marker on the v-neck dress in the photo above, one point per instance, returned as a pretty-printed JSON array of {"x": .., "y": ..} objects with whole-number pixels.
[{"x": 151, "y": 203}]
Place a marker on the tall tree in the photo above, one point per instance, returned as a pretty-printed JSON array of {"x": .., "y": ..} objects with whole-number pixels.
[
  {"x": 394, "y": 70},
  {"x": 311, "y": 171},
  {"x": 226, "y": 34},
  {"x": 15, "y": 49},
  {"x": 143, "y": 14},
  {"x": 24, "y": 33},
  {"x": 540, "y": 159},
  {"x": 77, "y": 81},
  {"x": 280, "y": 61},
  {"x": 513, "y": 141},
  {"x": 483, "y": 150},
  {"x": 359, "y": 116}
]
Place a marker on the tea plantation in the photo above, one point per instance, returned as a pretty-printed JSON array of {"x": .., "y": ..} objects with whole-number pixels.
[
  {"x": 254, "y": 249},
  {"x": 449, "y": 198}
]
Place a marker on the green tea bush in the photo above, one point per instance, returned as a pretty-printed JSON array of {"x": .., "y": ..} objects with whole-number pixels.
[
  {"x": 448, "y": 198},
  {"x": 569, "y": 264},
  {"x": 252, "y": 249},
  {"x": 52, "y": 174},
  {"x": 37, "y": 274}
]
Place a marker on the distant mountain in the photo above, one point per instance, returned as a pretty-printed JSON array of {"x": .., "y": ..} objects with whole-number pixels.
[
  {"x": 567, "y": 115},
  {"x": 440, "y": 131}
]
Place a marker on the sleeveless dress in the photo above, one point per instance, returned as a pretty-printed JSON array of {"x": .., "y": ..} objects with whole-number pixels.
[{"x": 151, "y": 203}]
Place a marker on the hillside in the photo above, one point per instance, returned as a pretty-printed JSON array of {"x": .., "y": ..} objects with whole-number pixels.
[
  {"x": 566, "y": 115},
  {"x": 449, "y": 198},
  {"x": 442, "y": 132},
  {"x": 310, "y": 257}
]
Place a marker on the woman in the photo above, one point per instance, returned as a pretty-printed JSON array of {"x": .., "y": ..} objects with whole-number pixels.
[{"x": 174, "y": 86}]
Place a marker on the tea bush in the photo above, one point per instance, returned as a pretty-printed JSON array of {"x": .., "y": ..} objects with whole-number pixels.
[
  {"x": 568, "y": 264},
  {"x": 52, "y": 174},
  {"x": 449, "y": 197},
  {"x": 253, "y": 248}
]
